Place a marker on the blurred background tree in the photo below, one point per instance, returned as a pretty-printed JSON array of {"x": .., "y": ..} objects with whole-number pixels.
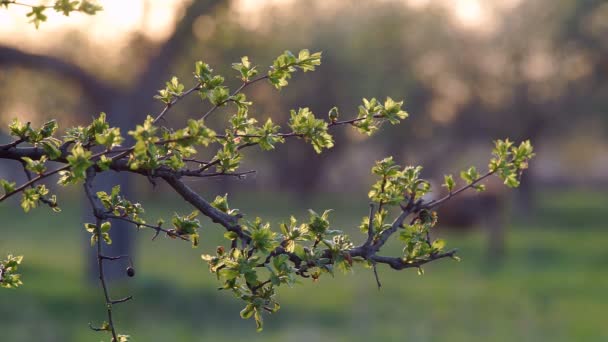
[{"x": 470, "y": 71}]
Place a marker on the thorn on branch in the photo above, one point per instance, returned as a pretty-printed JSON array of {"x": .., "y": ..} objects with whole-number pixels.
[
  {"x": 101, "y": 256},
  {"x": 156, "y": 233},
  {"x": 151, "y": 180},
  {"x": 122, "y": 300},
  {"x": 95, "y": 328}
]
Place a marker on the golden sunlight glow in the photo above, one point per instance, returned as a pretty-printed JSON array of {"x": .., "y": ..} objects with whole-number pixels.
[
  {"x": 156, "y": 19},
  {"x": 417, "y": 4},
  {"x": 480, "y": 16},
  {"x": 468, "y": 12},
  {"x": 250, "y": 12},
  {"x": 119, "y": 18}
]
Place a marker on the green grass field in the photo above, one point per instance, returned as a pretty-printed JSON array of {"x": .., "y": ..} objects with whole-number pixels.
[{"x": 552, "y": 285}]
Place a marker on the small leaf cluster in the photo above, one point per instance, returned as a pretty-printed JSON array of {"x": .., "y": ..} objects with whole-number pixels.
[
  {"x": 449, "y": 183},
  {"x": 266, "y": 136},
  {"x": 509, "y": 160},
  {"x": 186, "y": 226},
  {"x": 305, "y": 125},
  {"x": 34, "y": 195},
  {"x": 418, "y": 245},
  {"x": 145, "y": 153},
  {"x": 104, "y": 135},
  {"x": 221, "y": 203},
  {"x": 42, "y": 137},
  {"x": 35, "y": 166},
  {"x": 471, "y": 175},
  {"x": 263, "y": 239},
  {"x": 151, "y": 152},
  {"x": 211, "y": 86},
  {"x": 379, "y": 222},
  {"x": 373, "y": 113},
  {"x": 339, "y": 246},
  {"x": 105, "y": 326},
  {"x": 98, "y": 132},
  {"x": 245, "y": 68},
  {"x": 179, "y": 144},
  {"x": 253, "y": 272},
  {"x": 79, "y": 161},
  {"x": 122, "y": 338},
  {"x": 80, "y": 158},
  {"x": 236, "y": 270},
  {"x": 228, "y": 157},
  {"x": 117, "y": 205},
  {"x": 288, "y": 63},
  {"x": 7, "y": 186},
  {"x": 26, "y": 133},
  {"x": 102, "y": 231},
  {"x": 396, "y": 184},
  {"x": 9, "y": 278},
  {"x": 174, "y": 89}
]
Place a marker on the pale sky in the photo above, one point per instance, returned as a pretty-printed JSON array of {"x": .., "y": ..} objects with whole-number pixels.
[{"x": 119, "y": 17}]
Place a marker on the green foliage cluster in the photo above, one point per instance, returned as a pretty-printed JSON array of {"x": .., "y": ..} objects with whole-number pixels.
[
  {"x": 372, "y": 113},
  {"x": 510, "y": 160},
  {"x": 9, "y": 278},
  {"x": 257, "y": 259},
  {"x": 287, "y": 63}
]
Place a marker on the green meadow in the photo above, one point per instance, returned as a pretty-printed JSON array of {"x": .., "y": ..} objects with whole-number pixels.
[{"x": 551, "y": 286}]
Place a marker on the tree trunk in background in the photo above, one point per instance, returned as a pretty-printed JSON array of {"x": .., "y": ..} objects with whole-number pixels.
[
  {"x": 124, "y": 109},
  {"x": 121, "y": 233},
  {"x": 302, "y": 169},
  {"x": 129, "y": 109}
]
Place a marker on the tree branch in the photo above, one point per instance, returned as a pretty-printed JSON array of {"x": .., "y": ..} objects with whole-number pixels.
[
  {"x": 98, "y": 211},
  {"x": 435, "y": 203},
  {"x": 238, "y": 90},
  {"x": 228, "y": 221},
  {"x": 158, "y": 229},
  {"x": 410, "y": 208},
  {"x": 399, "y": 264}
]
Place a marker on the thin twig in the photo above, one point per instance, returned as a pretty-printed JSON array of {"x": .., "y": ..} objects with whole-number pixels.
[
  {"x": 98, "y": 212},
  {"x": 32, "y": 181},
  {"x": 43, "y": 176},
  {"x": 43, "y": 199},
  {"x": 122, "y": 300},
  {"x": 238, "y": 90},
  {"x": 103, "y": 280},
  {"x": 158, "y": 229},
  {"x": 174, "y": 100},
  {"x": 11, "y": 145},
  {"x": 370, "y": 230},
  {"x": 113, "y": 257},
  {"x": 21, "y": 4},
  {"x": 435, "y": 203},
  {"x": 198, "y": 174}
]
